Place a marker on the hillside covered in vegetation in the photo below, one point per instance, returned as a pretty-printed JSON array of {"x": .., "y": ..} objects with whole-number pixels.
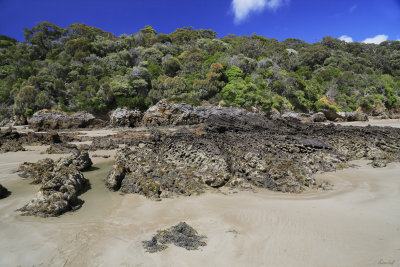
[{"x": 86, "y": 68}]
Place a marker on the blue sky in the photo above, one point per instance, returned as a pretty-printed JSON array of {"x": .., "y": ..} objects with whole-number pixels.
[{"x": 309, "y": 20}]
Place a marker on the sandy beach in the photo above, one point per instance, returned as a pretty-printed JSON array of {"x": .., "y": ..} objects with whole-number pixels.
[{"x": 355, "y": 224}]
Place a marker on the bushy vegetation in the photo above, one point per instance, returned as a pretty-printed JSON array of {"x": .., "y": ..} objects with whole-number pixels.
[{"x": 86, "y": 68}]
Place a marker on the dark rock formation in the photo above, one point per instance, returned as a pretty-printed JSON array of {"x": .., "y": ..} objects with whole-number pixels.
[
  {"x": 61, "y": 181},
  {"x": 243, "y": 149},
  {"x": 4, "y": 192},
  {"x": 125, "y": 118},
  {"x": 45, "y": 119},
  {"x": 181, "y": 235}
]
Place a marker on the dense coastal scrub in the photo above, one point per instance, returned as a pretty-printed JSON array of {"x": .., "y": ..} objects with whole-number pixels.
[{"x": 82, "y": 68}]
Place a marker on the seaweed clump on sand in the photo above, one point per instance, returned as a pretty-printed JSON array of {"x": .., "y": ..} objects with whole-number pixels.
[{"x": 181, "y": 235}]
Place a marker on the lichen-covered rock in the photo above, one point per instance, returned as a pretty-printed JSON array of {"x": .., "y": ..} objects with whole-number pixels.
[
  {"x": 57, "y": 195},
  {"x": 4, "y": 192},
  {"x": 181, "y": 235},
  {"x": 45, "y": 119},
  {"x": 125, "y": 117}
]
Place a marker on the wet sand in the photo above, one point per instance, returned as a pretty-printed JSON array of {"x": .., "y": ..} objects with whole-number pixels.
[{"x": 355, "y": 224}]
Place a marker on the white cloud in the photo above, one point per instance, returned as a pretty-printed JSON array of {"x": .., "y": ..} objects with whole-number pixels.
[
  {"x": 242, "y": 8},
  {"x": 353, "y": 8},
  {"x": 376, "y": 40},
  {"x": 346, "y": 38}
]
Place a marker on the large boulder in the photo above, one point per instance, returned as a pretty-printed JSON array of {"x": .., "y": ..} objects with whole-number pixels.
[
  {"x": 345, "y": 116},
  {"x": 45, "y": 119},
  {"x": 125, "y": 118},
  {"x": 353, "y": 116},
  {"x": 164, "y": 113}
]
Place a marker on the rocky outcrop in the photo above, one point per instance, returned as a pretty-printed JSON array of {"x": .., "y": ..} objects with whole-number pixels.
[
  {"x": 164, "y": 114},
  {"x": 57, "y": 195},
  {"x": 4, "y": 192},
  {"x": 39, "y": 172},
  {"x": 345, "y": 116},
  {"x": 123, "y": 117},
  {"x": 101, "y": 143},
  {"x": 45, "y": 119},
  {"x": 181, "y": 235},
  {"x": 61, "y": 183},
  {"x": 244, "y": 150},
  {"x": 61, "y": 148},
  {"x": 80, "y": 159}
]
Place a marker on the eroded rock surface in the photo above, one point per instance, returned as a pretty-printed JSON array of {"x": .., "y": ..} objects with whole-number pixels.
[
  {"x": 61, "y": 183},
  {"x": 181, "y": 235},
  {"x": 243, "y": 149},
  {"x": 45, "y": 119},
  {"x": 125, "y": 117}
]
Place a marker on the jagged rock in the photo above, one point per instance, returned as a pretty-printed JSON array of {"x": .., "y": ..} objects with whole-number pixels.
[
  {"x": 62, "y": 148},
  {"x": 181, "y": 235},
  {"x": 11, "y": 146},
  {"x": 242, "y": 149},
  {"x": 102, "y": 143},
  {"x": 61, "y": 181},
  {"x": 45, "y": 119},
  {"x": 11, "y": 141},
  {"x": 164, "y": 113},
  {"x": 58, "y": 194},
  {"x": 40, "y": 171},
  {"x": 126, "y": 117},
  {"x": 80, "y": 159},
  {"x": 4, "y": 192}
]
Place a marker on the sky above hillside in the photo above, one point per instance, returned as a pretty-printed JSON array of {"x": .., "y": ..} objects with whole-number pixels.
[{"x": 310, "y": 20}]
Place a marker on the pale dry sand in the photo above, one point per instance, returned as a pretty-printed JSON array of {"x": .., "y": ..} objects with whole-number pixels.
[
  {"x": 382, "y": 123},
  {"x": 355, "y": 224}
]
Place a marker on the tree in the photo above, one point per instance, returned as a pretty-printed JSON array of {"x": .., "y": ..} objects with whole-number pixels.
[
  {"x": 25, "y": 99},
  {"x": 44, "y": 35}
]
